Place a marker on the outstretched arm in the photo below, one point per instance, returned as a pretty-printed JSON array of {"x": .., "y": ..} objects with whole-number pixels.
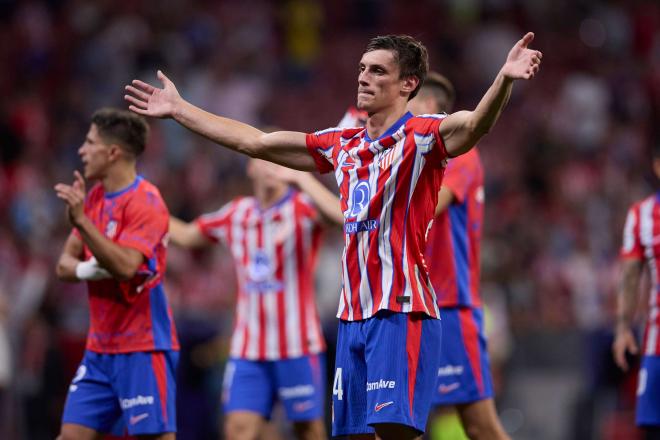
[
  {"x": 462, "y": 130},
  {"x": 286, "y": 148},
  {"x": 186, "y": 235},
  {"x": 624, "y": 340},
  {"x": 325, "y": 201}
]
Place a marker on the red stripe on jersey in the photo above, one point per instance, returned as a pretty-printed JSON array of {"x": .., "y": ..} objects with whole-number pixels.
[
  {"x": 413, "y": 346},
  {"x": 244, "y": 222},
  {"x": 470, "y": 333},
  {"x": 275, "y": 253},
  {"x": 158, "y": 366}
]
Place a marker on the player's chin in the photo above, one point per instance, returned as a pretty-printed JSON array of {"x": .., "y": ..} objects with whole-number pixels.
[{"x": 364, "y": 105}]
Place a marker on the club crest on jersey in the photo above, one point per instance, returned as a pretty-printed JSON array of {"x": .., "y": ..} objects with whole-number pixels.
[
  {"x": 360, "y": 198},
  {"x": 260, "y": 268},
  {"x": 386, "y": 159},
  {"x": 111, "y": 229}
]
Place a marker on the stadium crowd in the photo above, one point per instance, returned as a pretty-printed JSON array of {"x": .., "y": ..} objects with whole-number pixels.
[{"x": 562, "y": 166}]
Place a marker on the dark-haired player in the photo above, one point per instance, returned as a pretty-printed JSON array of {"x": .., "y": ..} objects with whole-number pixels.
[
  {"x": 125, "y": 381},
  {"x": 389, "y": 174}
]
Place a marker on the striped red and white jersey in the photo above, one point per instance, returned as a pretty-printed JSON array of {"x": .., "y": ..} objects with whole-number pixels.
[
  {"x": 388, "y": 190},
  {"x": 275, "y": 252},
  {"x": 641, "y": 241},
  {"x": 454, "y": 241}
]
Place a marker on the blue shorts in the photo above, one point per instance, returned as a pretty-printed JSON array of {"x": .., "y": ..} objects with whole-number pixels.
[
  {"x": 254, "y": 386},
  {"x": 464, "y": 372},
  {"x": 648, "y": 392},
  {"x": 385, "y": 372},
  {"x": 127, "y": 393}
]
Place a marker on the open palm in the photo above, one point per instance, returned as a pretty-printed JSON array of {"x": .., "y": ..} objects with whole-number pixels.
[
  {"x": 522, "y": 62},
  {"x": 148, "y": 100}
]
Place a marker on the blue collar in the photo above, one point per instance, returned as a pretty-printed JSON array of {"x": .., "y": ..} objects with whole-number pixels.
[
  {"x": 130, "y": 187},
  {"x": 279, "y": 203},
  {"x": 390, "y": 131}
]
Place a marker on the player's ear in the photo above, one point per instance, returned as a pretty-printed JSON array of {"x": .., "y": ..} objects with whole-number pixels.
[
  {"x": 410, "y": 83},
  {"x": 116, "y": 152}
]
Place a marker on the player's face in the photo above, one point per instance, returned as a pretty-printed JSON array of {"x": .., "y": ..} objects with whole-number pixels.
[
  {"x": 95, "y": 154},
  {"x": 264, "y": 173},
  {"x": 379, "y": 84}
]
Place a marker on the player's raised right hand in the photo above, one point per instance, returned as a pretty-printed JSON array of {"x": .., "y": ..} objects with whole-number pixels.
[
  {"x": 148, "y": 100},
  {"x": 624, "y": 341}
]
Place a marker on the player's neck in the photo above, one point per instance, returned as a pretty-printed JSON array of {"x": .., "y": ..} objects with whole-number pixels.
[
  {"x": 379, "y": 122},
  {"x": 118, "y": 179},
  {"x": 268, "y": 196}
]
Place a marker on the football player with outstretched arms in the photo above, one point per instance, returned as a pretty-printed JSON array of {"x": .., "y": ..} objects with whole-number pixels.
[{"x": 389, "y": 174}]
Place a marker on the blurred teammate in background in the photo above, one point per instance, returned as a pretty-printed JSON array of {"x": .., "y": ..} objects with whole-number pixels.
[
  {"x": 277, "y": 349},
  {"x": 641, "y": 248},
  {"x": 125, "y": 382},
  {"x": 452, "y": 256},
  {"x": 389, "y": 175}
]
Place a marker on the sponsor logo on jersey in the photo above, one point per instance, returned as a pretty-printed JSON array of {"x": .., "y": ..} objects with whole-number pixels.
[
  {"x": 296, "y": 391},
  {"x": 138, "y": 418},
  {"x": 138, "y": 400},
  {"x": 450, "y": 370},
  {"x": 381, "y": 384},
  {"x": 260, "y": 274},
  {"x": 380, "y": 406},
  {"x": 361, "y": 226},
  {"x": 445, "y": 389},
  {"x": 360, "y": 197}
]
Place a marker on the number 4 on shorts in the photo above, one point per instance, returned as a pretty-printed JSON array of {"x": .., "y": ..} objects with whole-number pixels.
[{"x": 336, "y": 386}]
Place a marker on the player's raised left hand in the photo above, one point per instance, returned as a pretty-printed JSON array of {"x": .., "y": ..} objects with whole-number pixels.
[
  {"x": 522, "y": 62},
  {"x": 74, "y": 197},
  {"x": 148, "y": 100}
]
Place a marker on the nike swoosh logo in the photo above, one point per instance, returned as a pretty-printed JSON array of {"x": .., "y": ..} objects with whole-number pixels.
[
  {"x": 444, "y": 389},
  {"x": 136, "y": 419},
  {"x": 380, "y": 406}
]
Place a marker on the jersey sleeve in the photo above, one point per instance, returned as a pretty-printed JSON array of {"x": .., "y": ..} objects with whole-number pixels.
[
  {"x": 459, "y": 176},
  {"x": 214, "y": 225},
  {"x": 430, "y": 125},
  {"x": 632, "y": 246},
  {"x": 322, "y": 145},
  {"x": 308, "y": 208},
  {"x": 146, "y": 221}
]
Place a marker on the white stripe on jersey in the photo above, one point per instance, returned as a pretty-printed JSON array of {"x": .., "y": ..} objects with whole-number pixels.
[
  {"x": 652, "y": 337},
  {"x": 293, "y": 343},
  {"x": 384, "y": 233},
  {"x": 255, "y": 300},
  {"x": 629, "y": 232},
  {"x": 240, "y": 328}
]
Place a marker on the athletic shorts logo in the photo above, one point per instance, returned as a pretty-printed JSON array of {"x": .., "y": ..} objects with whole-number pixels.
[
  {"x": 450, "y": 370},
  {"x": 136, "y": 419},
  {"x": 380, "y": 406},
  {"x": 296, "y": 391},
  {"x": 361, "y": 196},
  {"x": 446, "y": 389},
  {"x": 138, "y": 400},
  {"x": 303, "y": 406},
  {"x": 80, "y": 373},
  {"x": 641, "y": 381},
  {"x": 381, "y": 385}
]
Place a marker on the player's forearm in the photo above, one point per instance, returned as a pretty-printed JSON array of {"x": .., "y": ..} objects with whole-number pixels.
[
  {"x": 325, "y": 201},
  {"x": 490, "y": 107},
  {"x": 628, "y": 293},
  {"x": 118, "y": 260},
  {"x": 184, "y": 234},
  {"x": 66, "y": 268},
  {"x": 229, "y": 133}
]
